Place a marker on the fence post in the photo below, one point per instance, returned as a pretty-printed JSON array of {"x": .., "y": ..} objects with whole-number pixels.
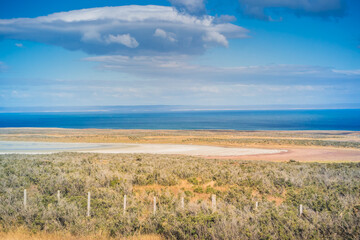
[
  {"x": 182, "y": 203},
  {"x": 25, "y": 199},
  {"x": 58, "y": 196},
  {"x": 213, "y": 202},
  {"x": 124, "y": 204},
  {"x": 88, "y": 205},
  {"x": 300, "y": 210},
  {"x": 154, "y": 205}
]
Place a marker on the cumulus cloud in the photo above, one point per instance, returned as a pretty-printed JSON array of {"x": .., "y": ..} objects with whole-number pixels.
[
  {"x": 166, "y": 35},
  {"x": 262, "y": 9},
  {"x": 194, "y": 7},
  {"x": 124, "y": 39},
  {"x": 126, "y": 30},
  {"x": 215, "y": 37}
]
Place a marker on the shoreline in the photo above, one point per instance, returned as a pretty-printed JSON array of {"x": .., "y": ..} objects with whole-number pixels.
[
  {"x": 21, "y": 147},
  {"x": 188, "y": 130},
  {"x": 303, "y": 146}
]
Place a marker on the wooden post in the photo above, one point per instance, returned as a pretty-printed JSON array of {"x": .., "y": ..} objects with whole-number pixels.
[
  {"x": 213, "y": 202},
  {"x": 256, "y": 205},
  {"x": 182, "y": 203},
  {"x": 58, "y": 196},
  {"x": 88, "y": 205},
  {"x": 300, "y": 210},
  {"x": 25, "y": 199},
  {"x": 124, "y": 204},
  {"x": 154, "y": 205}
]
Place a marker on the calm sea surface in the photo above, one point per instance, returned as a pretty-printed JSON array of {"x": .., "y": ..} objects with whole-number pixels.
[{"x": 238, "y": 120}]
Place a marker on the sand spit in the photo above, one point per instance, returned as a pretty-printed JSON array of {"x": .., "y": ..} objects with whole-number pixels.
[{"x": 10, "y": 147}]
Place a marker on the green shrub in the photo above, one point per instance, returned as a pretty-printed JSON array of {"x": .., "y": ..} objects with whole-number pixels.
[
  {"x": 193, "y": 181},
  {"x": 198, "y": 190}
]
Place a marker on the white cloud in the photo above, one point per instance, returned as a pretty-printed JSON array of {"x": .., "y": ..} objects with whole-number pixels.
[
  {"x": 206, "y": 89},
  {"x": 91, "y": 30},
  {"x": 172, "y": 79},
  {"x": 166, "y": 35},
  {"x": 189, "y": 6},
  {"x": 124, "y": 39},
  {"x": 19, "y": 45},
  {"x": 348, "y": 72},
  {"x": 160, "y": 33},
  {"x": 216, "y": 37},
  {"x": 179, "y": 68},
  {"x": 320, "y": 8}
]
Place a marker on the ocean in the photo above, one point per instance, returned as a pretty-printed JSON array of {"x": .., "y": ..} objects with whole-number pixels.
[{"x": 341, "y": 119}]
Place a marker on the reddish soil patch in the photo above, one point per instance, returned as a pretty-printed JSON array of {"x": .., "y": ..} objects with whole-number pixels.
[
  {"x": 304, "y": 155},
  {"x": 183, "y": 185},
  {"x": 278, "y": 200}
]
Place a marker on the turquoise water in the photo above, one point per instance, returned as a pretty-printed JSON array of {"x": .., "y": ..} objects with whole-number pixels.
[{"x": 344, "y": 119}]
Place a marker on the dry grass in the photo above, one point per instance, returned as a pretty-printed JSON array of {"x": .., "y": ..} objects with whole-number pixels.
[{"x": 22, "y": 234}]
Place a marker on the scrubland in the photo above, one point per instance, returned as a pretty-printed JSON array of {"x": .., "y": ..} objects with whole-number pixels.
[{"x": 329, "y": 193}]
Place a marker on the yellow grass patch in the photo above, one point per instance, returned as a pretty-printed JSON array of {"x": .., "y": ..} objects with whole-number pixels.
[{"x": 21, "y": 234}]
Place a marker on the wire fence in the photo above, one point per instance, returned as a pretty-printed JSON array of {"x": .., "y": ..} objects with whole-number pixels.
[{"x": 125, "y": 199}]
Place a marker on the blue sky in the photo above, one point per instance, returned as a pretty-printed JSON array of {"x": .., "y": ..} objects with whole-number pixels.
[{"x": 179, "y": 52}]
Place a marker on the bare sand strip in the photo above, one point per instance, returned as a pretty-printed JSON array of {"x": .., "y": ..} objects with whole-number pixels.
[{"x": 9, "y": 147}]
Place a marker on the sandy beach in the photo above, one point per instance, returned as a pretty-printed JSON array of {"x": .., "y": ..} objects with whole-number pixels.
[{"x": 9, "y": 147}]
